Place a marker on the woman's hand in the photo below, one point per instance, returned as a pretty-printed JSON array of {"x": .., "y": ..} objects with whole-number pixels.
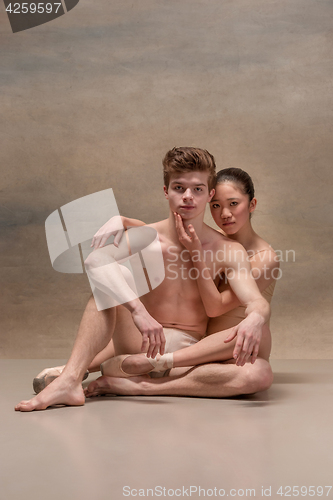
[
  {"x": 191, "y": 242},
  {"x": 249, "y": 333},
  {"x": 114, "y": 226}
]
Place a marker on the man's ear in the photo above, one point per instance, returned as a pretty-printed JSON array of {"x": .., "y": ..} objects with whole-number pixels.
[
  {"x": 253, "y": 204},
  {"x": 211, "y": 194},
  {"x": 166, "y": 192}
]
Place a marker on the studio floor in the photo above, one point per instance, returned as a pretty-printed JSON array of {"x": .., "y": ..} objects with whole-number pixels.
[{"x": 118, "y": 447}]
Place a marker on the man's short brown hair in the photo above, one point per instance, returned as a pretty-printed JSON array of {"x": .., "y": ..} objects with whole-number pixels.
[{"x": 179, "y": 160}]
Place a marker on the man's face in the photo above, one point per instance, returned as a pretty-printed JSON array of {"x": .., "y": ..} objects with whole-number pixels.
[{"x": 188, "y": 193}]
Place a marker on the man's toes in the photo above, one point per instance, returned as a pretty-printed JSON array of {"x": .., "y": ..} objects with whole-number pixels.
[
  {"x": 91, "y": 390},
  {"x": 21, "y": 403},
  {"x": 92, "y": 394},
  {"x": 23, "y": 406},
  {"x": 93, "y": 386},
  {"x": 31, "y": 405},
  {"x": 98, "y": 387}
]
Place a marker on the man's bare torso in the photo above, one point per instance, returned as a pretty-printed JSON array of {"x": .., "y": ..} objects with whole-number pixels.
[{"x": 176, "y": 303}]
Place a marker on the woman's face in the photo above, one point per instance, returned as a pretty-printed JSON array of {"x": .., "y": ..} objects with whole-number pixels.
[{"x": 231, "y": 208}]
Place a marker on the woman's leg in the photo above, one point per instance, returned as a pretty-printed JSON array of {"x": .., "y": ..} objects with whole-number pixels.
[
  {"x": 207, "y": 350},
  {"x": 107, "y": 353},
  {"x": 213, "y": 348}
]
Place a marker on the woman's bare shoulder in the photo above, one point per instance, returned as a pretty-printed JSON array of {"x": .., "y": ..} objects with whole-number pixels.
[{"x": 263, "y": 253}]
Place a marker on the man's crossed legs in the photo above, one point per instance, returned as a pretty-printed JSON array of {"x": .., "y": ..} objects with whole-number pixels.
[{"x": 92, "y": 346}]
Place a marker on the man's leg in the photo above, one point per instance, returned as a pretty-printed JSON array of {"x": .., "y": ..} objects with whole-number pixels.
[
  {"x": 103, "y": 324},
  {"x": 94, "y": 335},
  {"x": 215, "y": 380},
  {"x": 46, "y": 376}
]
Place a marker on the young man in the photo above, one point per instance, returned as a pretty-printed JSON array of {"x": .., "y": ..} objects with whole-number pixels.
[{"x": 174, "y": 309}]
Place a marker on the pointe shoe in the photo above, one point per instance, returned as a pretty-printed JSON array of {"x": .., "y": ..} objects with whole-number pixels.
[
  {"x": 113, "y": 367},
  {"x": 47, "y": 376}
]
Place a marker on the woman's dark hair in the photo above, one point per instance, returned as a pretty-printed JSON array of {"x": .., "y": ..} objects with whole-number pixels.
[{"x": 238, "y": 176}]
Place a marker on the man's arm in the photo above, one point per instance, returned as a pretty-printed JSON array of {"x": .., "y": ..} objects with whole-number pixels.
[
  {"x": 114, "y": 227},
  {"x": 105, "y": 272}
]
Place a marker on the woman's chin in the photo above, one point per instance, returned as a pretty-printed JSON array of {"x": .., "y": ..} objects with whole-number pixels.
[{"x": 229, "y": 229}]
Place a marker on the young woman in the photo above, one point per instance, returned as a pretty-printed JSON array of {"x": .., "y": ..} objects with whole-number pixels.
[{"x": 231, "y": 207}]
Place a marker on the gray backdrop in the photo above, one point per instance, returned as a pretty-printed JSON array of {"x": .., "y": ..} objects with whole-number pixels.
[{"x": 95, "y": 98}]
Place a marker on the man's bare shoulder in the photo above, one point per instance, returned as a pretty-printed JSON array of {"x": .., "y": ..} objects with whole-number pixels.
[
  {"x": 160, "y": 225},
  {"x": 162, "y": 229},
  {"x": 141, "y": 237}
]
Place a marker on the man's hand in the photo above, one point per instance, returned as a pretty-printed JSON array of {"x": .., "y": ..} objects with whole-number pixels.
[
  {"x": 191, "y": 242},
  {"x": 248, "y": 332},
  {"x": 114, "y": 226},
  {"x": 151, "y": 331}
]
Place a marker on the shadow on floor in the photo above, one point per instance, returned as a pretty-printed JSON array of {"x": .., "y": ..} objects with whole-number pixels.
[{"x": 302, "y": 378}]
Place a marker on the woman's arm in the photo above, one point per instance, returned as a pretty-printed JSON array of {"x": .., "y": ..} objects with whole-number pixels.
[
  {"x": 238, "y": 272},
  {"x": 214, "y": 302},
  {"x": 241, "y": 274},
  {"x": 263, "y": 270}
]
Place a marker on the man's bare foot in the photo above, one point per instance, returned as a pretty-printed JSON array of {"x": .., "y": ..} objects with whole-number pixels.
[
  {"x": 45, "y": 377},
  {"x": 113, "y": 385},
  {"x": 62, "y": 391}
]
